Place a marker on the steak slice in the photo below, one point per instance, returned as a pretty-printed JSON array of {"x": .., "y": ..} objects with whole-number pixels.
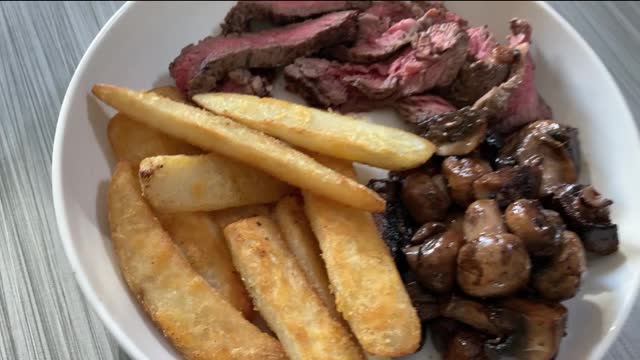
[
  {"x": 487, "y": 66},
  {"x": 433, "y": 61},
  {"x": 418, "y": 108},
  {"x": 199, "y": 67},
  {"x": 516, "y": 102},
  {"x": 242, "y": 81},
  {"x": 239, "y": 18},
  {"x": 386, "y": 27}
]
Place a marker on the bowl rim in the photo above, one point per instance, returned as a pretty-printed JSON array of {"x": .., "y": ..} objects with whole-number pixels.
[{"x": 62, "y": 221}]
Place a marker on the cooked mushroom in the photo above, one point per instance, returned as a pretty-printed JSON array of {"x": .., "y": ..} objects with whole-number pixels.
[
  {"x": 489, "y": 319},
  {"x": 455, "y": 221},
  {"x": 466, "y": 344},
  {"x": 509, "y": 184},
  {"x": 482, "y": 217},
  {"x": 460, "y": 174},
  {"x": 539, "y": 339},
  {"x": 433, "y": 258},
  {"x": 425, "y": 197},
  {"x": 455, "y": 133},
  {"x": 560, "y": 278},
  {"x": 394, "y": 224},
  {"x": 425, "y": 303},
  {"x": 551, "y": 142},
  {"x": 587, "y": 213},
  {"x": 493, "y": 265},
  {"x": 527, "y": 219},
  {"x": 441, "y": 331}
]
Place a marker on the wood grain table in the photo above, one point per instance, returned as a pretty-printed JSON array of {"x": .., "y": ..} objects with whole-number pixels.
[{"x": 43, "y": 315}]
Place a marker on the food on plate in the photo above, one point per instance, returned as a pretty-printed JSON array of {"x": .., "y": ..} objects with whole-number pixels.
[
  {"x": 227, "y": 216},
  {"x": 297, "y": 234},
  {"x": 478, "y": 233},
  {"x": 283, "y": 295},
  {"x": 190, "y": 313},
  {"x": 133, "y": 141},
  {"x": 323, "y": 132},
  {"x": 203, "y": 245},
  {"x": 368, "y": 289},
  {"x": 175, "y": 183},
  {"x": 240, "y": 17},
  {"x": 238, "y": 142},
  {"x": 493, "y": 265},
  {"x": 200, "y": 67}
]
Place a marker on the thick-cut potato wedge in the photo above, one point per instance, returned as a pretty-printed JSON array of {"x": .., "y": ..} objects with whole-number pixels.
[
  {"x": 231, "y": 215},
  {"x": 222, "y": 135},
  {"x": 203, "y": 244},
  {"x": 133, "y": 141},
  {"x": 190, "y": 313},
  {"x": 297, "y": 234},
  {"x": 369, "y": 292},
  {"x": 321, "y": 131},
  {"x": 283, "y": 295},
  {"x": 175, "y": 183}
]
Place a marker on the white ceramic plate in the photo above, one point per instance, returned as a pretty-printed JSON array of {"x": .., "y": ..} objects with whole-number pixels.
[{"x": 134, "y": 49}]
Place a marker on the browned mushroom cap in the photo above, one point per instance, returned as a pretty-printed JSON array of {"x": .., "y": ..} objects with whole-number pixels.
[
  {"x": 551, "y": 142},
  {"x": 493, "y": 265},
  {"x": 560, "y": 278},
  {"x": 455, "y": 133},
  {"x": 433, "y": 261},
  {"x": 543, "y": 328},
  {"x": 527, "y": 219},
  {"x": 482, "y": 217},
  {"x": 460, "y": 174},
  {"x": 487, "y": 318},
  {"x": 587, "y": 213},
  {"x": 425, "y": 197},
  {"x": 441, "y": 331},
  {"x": 510, "y": 183},
  {"x": 466, "y": 344}
]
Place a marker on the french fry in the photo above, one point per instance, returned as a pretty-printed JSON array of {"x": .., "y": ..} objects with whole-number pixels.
[
  {"x": 133, "y": 141},
  {"x": 283, "y": 295},
  {"x": 190, "y": 313},
  {"x": 369, "y": 292},
  {"x": 321, "y": 131},
  {"x": 297, "y": 234},
  {"x": 231, "y": 215},
  {"x": 203, "y": 244},
  {"x": 224, "y": 136},
  {"x": 174, "y": 183}
]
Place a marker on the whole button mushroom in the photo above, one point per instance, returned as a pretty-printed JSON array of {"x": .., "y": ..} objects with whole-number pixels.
[
  {"x": 483, "y": 217},
  {"x": 493, "y": 265},
  {"x": 425, "y": 197},
  {"x": 526, "y": 219}
]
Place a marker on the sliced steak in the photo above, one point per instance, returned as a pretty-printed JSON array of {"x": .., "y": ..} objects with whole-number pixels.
[
  {"x": 433, "y": 61},
  {"x": 242, "y": 81},
  {"x": 418, "y": 108},
  {"x": 388, "y": 26},
  {"x": 487, "y": 66},
  {"x": 239, "y": 18},
  {"x": 199, "y": 67},
  {"x": 516, "y": 102}
]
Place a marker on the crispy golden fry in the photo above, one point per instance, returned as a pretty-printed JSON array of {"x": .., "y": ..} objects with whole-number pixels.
[
  {"x": 231, "y": 215},
  {"x": 321, "y": 131},
  {"x": 297, "y": 234},
  {"x": 190, "y": 313},
  {"x": 368, "y": 289},
  {"x": 283, "y": 295},
  {"x": 133, "y": 141},
  {"x": 175, "y": 183},
  {"x": 219, "y": 134},
  {"x": 203, "y": 244}
]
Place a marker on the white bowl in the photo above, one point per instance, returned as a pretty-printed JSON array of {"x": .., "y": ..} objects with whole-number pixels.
[{"x": 134, "y": 49}]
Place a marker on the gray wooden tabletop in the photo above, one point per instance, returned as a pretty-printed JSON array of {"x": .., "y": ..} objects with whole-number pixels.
[{"x": 43, "y": 315}]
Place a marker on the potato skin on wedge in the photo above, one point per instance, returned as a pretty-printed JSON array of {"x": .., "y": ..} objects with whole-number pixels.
[{"x": 189, "y": 312}]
